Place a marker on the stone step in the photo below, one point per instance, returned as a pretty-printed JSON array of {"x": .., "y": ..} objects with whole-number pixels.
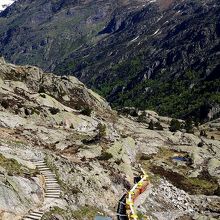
[
  {"x": 35, "y": 214},
  {"x": 52, "y": 185},
  {"x": 49, "y": 183},
  {"x": 47, "y": 173},
  {"x": 33, "y": 217},
  {"x": 44, "y": 168},
  {"x": 40, "y": 164},
  {"x": 41, "y": 167},
  {"x": 27, "y": 218},
  {"x": 52, "y": 197},
  {"x": 51, "y": 191},
  {"x": 50, "y": 180},
  {"x": 38, "y": 212},
  {"x": 50, "y": 177},
  {"x": 53, "y": 188}
]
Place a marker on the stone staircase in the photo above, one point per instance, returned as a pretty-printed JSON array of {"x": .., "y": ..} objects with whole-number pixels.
[
  {"x": 34, "y": 215},
  {"x": 52, "y": 189}
]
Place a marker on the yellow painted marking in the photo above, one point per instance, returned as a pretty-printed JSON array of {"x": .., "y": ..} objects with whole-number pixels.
[
  {"x": 129, "y": 202},
  {"x": 140, "y": 184}
]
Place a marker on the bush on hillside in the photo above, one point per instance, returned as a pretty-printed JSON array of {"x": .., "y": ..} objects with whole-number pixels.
[
  {"x": 151, "y": 125},
  {"x": 189, "y": 126},
  {"x": 174, "y": 125},
  {"x": 86, "y": 111}
]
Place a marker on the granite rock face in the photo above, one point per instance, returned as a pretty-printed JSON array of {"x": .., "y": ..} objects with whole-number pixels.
[
  {"x": 133, "y": 52},
  {"x": 95, "y": 153}
]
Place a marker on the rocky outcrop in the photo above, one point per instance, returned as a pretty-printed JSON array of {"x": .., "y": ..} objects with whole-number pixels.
[
  {"x": 93, "y": 154},
  {"x": 134, "y": 52}
]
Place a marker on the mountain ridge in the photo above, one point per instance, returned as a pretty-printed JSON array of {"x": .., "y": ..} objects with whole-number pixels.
[
  {"x": 124, "y": 62},
  {"x": 60, "y": 140},
  {"x": 158, "y": 55}
]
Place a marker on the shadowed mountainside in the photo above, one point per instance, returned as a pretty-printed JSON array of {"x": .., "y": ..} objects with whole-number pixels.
[{"x": 160, "y": 55}]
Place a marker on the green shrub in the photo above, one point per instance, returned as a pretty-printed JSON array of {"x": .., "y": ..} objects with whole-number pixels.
[
  {"x": 142, "y": 117},
  {"x": 4, "y": 104},
  {"x": 158, "y": 126},
  {"x": 43, "y": 95},
  {"x": 174, "y": 125},
  {"x": 86, "y": 111},
  {"x": 189, "y": 125},
  {"x": 105, "y": 156},
  {"x": 203, "y": 133},
  {"x": 151, "y": 125},
  {"x": 201, "y": 144},
  {"x": 41, "y": 89},
  {"x": 101, "y": 130},
  {"x": 54, "y": 111}
]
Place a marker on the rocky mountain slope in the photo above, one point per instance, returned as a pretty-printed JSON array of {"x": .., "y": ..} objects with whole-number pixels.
[
  {"x": 45, "y": 32},
  {"x": 94, "y": 153},
  {"x": 162, "y": 55}
]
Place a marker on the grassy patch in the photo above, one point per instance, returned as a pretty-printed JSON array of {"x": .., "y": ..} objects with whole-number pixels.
[
  {"x": 203, "y": 184},
  {"x": 85, "y": 212},
  {"x": 198, "y": 185},
  {"x": 12, "y": 167},
  {"x": 55, "y": 211},
  {"x": 105, "y": 156}
]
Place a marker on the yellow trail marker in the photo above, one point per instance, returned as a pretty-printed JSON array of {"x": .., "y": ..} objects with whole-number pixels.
[{"x": 140, "y": 184}]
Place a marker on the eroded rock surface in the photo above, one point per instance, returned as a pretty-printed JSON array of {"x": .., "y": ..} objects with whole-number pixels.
[{"x": 95, "y": 153}]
